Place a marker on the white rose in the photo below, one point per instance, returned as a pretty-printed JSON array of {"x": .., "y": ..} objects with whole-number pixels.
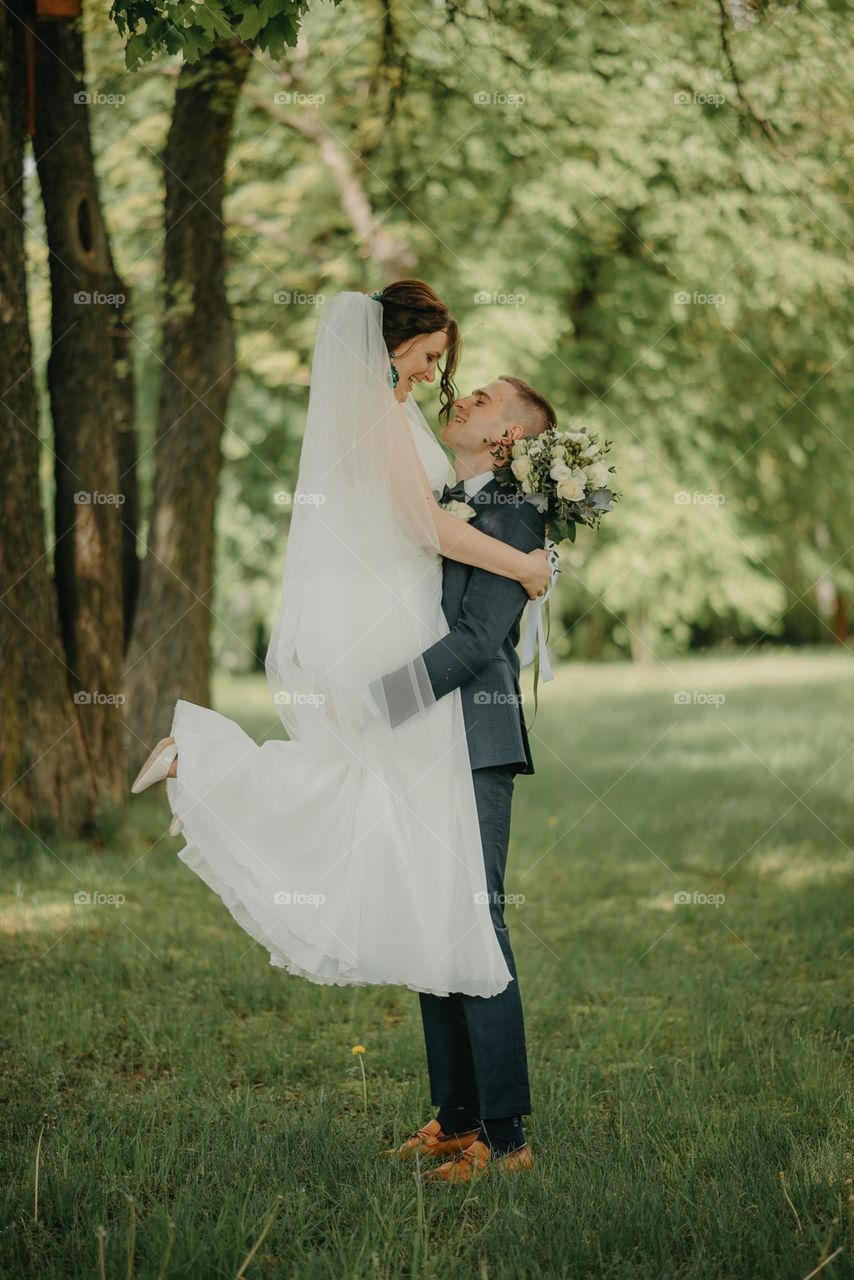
[
  {"x": 461, "y": 510},
  {"x": 598, "y": 475},
  {"x": 518, "y": 449},
  {"x": 520, "y": 467},
  {"x": 576, "y": 436},
  {"x": 560, "y": 471},
  {"x": 572, "y": 489},
  {"x": 527, "y": 487},
  {"x": 590, "y": 451}
]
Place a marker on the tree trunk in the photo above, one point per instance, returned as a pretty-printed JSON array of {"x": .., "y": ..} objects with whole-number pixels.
[
  {"x": 127, "y": 458},
  {"x": 43, "y": 760},
  {"x": 169, "y": 654},
  {"x": 840, "y": 617},
  {"x": 86, "y": 299}
]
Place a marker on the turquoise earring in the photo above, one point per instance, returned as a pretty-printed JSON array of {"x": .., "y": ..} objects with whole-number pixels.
[{"x": 395, "y": 376}]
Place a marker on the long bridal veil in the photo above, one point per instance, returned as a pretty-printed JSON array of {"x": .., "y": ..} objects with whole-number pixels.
[{"x": 361, "y": 535}]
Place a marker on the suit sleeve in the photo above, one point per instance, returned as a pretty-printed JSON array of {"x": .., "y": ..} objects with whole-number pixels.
[{"x": 490, "y": 606}]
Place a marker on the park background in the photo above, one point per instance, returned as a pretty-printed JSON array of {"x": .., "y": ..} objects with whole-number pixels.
[{"x": 641, "y": 208}]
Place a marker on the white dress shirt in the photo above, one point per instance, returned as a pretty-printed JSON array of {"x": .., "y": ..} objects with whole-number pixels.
[{"x": 475, "y": 483}]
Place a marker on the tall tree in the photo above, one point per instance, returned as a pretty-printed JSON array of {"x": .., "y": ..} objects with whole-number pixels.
[
  {"x": 87, "y": 302},
  {"x": 169, "y": 654},
  {"x": 44, "y": 767}
]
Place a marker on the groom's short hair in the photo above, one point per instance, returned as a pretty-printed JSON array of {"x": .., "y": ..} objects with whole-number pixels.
[{"x": 539, "y": 413}]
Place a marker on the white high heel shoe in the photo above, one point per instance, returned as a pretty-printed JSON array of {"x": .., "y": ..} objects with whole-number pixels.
[{"x": 157, "y": 766}]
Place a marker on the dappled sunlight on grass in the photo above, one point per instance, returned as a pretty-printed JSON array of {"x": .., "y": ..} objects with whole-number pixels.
[
  {"x": 696, "y": 1044},
  {"x": 796, "y": 865},
  {"x": 37, "y": 916}
]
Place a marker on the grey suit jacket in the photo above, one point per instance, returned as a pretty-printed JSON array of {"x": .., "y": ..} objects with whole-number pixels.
[{"x": 478, "y": 656}]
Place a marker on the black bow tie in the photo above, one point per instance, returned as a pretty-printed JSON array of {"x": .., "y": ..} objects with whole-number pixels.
[{"x": 454, "y": 493}]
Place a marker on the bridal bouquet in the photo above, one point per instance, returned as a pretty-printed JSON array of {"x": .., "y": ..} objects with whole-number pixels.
[{"x": 563, "y": 474}]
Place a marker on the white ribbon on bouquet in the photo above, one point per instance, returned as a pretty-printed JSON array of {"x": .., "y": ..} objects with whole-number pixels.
[{"x": 534, "y": 640}]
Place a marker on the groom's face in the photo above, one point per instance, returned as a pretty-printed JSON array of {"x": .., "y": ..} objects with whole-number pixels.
[{"x": 484, "y": 414}]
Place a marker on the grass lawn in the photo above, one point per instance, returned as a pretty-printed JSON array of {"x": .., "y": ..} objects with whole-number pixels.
[{"x": 690, "y": 1059}]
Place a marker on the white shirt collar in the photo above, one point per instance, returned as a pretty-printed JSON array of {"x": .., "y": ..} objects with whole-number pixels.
[{"x": 475, "y": 483}]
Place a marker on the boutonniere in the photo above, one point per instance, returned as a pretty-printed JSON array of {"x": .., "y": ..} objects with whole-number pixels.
[{"x": 461, "y": 510}]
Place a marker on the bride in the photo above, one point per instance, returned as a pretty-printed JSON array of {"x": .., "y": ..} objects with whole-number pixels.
[{"x": 352, "y": 851}]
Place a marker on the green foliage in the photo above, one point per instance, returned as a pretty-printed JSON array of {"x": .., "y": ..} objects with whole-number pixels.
[
  {"x": 607, "y": 218},
  {"x": 193, "y": 27}
]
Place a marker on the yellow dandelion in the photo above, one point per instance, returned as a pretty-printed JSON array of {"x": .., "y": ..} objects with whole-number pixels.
[{"x": 358, "y": 1050}]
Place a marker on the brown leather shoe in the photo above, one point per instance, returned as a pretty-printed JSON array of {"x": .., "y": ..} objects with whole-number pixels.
[
  {"x": 432, "y": 1143},
  {"x": 478, "y": 1159}
]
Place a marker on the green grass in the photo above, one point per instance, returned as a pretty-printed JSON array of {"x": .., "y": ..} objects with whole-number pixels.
[{"x": 683, "y": 1057}]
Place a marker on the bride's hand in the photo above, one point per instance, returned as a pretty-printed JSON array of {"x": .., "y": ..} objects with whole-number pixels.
[{"x": 537, "y": 574}]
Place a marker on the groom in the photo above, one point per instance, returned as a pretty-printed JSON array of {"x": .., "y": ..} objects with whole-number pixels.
[{"x": 476, "y": 1045}]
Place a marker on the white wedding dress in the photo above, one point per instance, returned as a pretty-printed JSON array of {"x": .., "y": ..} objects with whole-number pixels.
[{"x": 352, "y": 854}]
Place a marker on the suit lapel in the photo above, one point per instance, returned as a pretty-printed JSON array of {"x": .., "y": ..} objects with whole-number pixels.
[{"x": 484, "y": 496}]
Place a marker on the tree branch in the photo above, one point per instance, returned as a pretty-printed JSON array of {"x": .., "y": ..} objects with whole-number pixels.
[{"x": 393, "y": 259}]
